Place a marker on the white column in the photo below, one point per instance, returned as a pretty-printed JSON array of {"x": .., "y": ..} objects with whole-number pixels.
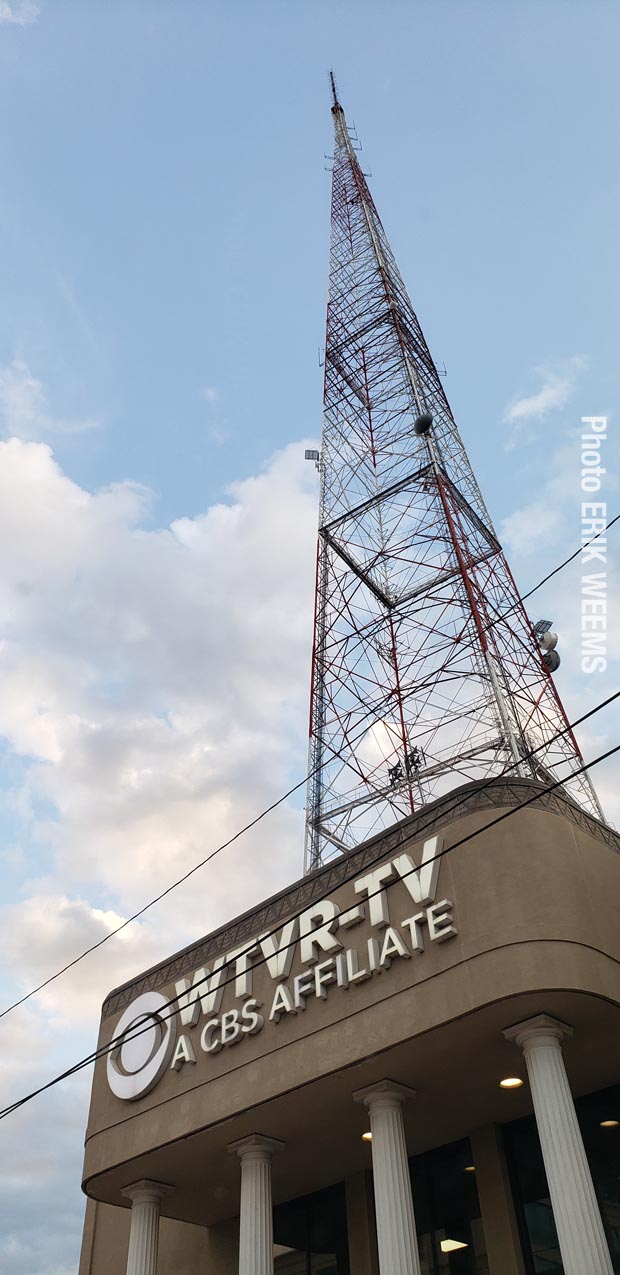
[
  {"x": 256, "y": 1219},
  {"x": 146, "y": 1198},
  {"x": 581, "y": 1237},
  {"x": 396, "y": 1233}
]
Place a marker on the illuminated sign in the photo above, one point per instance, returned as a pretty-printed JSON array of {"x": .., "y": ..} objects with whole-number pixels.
[{"x": 151, "y": 1033}]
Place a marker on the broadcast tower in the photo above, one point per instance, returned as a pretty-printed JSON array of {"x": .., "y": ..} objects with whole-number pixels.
[{"x": 426, "y": 671}]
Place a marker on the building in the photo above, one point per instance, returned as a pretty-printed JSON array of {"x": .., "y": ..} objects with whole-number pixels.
[
  {"x": 391, "y": 990},
  {"x": 407, "y": 1062}
]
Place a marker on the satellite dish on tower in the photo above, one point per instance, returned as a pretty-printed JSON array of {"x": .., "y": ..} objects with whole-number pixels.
[
  {"x": 423, "y": 423},
  {"x": 547, "y": 640}
]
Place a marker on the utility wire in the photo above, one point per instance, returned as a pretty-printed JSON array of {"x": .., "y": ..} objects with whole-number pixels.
[
  {"x": 112, "y": 1044},
  {"x": 258, "y": 818},
  {"x": 370, "y": 863},
  {"x": 567, "y": 560},
  {"x": 157, "y": 899}
]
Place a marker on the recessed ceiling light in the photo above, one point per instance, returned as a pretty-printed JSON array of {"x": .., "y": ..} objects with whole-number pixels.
[
  {"x": 367, "y": 1137},
  {"x": 469, "y": 1168},
  {"x": 511, "y": 1082},
  {"x": 450, "y": 1246},
  {"x": 610, "y": 1124}
]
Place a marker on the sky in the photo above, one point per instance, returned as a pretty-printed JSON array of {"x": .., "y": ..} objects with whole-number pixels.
[{"x": 164, "y": 230}]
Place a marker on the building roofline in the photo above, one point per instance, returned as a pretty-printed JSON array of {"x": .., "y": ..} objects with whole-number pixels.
[{"x": 481, "y": 794}]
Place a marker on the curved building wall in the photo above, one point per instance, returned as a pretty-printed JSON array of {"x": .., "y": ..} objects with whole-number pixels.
[{"x": 520, "y": 919}]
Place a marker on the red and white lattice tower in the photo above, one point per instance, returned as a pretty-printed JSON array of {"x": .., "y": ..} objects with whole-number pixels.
[{"x": 426, "y": 671}]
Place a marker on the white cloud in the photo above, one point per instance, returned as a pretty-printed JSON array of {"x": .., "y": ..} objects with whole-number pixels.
[
  {"x": 155, "y": 688},
  {"x": 23, "y": 406},
  {"x": 22, "y": 14},
  {"x": 558, "y": 383},
  {"x": 210, "y": 393},
  {"x": 554, "y": 393},
  {"x": 154, "y": 683},
  {"x": 50, "y": 924},
  {"x": 526, "y": 529}
]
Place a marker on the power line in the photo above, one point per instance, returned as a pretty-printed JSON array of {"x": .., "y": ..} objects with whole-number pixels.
[
  {"x": 157, "y": 899},
  {"x": 381, "y": 855},
  {"x": 258, "y": 818},
  {"x": 570, "y": 559},
  {"x": 106, "y": 1049}
]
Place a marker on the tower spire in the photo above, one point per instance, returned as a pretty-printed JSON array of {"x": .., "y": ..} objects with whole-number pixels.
[
  {"x": 332, "y": 81},
  {"x": 426, "y": 671}
]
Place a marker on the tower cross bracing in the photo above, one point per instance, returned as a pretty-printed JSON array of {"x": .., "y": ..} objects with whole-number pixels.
[{"x": 426, "y": 670}]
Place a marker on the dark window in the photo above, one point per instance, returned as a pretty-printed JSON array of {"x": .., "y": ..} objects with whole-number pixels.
[
  {"x": 447, "y": 1212},
  {"x": 540, "y": 1241},
  {"x": 312, "y": 1234}
]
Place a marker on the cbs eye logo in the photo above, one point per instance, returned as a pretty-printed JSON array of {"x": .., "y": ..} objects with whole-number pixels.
[{"x": 145, "y": 1040}]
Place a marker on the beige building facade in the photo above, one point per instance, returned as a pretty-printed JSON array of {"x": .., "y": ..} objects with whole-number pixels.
[{"x": 387, "y": 994}]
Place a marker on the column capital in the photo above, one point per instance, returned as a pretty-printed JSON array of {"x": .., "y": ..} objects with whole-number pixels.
[
  {"x": 147, "y": 1192},
  {"x": 384, "y": 1093},
  {"x": 256, "y": 1146},
  {"x": 542, "y": 1029}
]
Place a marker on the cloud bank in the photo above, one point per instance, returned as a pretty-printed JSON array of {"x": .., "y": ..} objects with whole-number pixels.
[{"x": 154, "y": 699}]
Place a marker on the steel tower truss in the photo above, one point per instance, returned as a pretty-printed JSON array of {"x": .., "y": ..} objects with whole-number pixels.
[{"x": 426, "y": 671}]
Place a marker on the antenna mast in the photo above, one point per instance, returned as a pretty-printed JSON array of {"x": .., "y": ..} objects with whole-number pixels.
[{"x": 426, "y": 671}]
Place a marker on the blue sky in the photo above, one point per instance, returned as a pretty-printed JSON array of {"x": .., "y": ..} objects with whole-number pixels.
[
  {"x": 165, "y": 213},
  {"x": 164, "y": 223}
]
